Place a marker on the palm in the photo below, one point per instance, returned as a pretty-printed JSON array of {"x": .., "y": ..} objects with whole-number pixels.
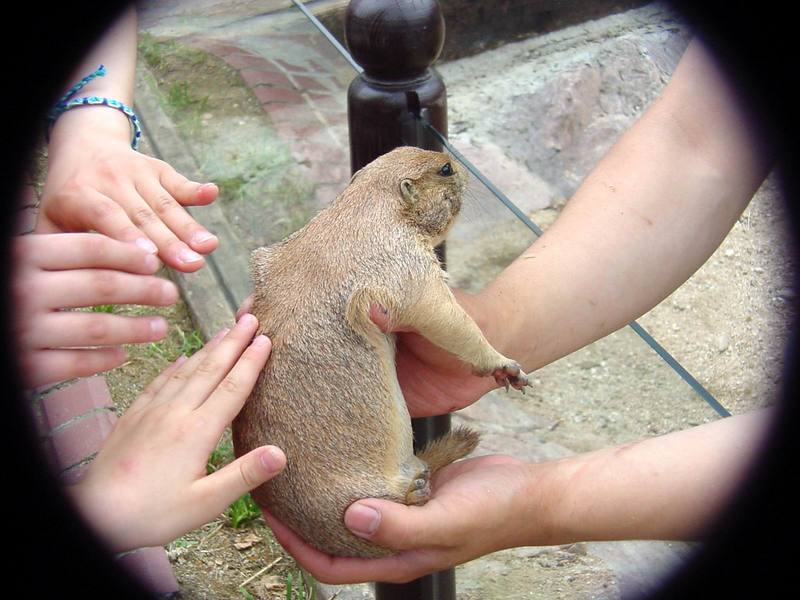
[{"x": 434, "y": 381}]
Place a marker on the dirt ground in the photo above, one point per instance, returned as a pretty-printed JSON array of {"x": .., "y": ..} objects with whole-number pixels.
[{"x": 727, "y": 325}]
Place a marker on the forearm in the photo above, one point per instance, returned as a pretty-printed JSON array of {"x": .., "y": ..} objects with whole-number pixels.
[
  {"x": 652, "y": 211},
  {"x": 116, "y": 50},
  {"x": 668, "y": 487}
]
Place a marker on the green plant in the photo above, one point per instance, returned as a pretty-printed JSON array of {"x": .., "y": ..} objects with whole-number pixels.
[
  {"x": 246, "y": 594},
  {"x": 103, "y": 308},
  {"x": 303, "y": 590},
  {"x": 169, "y": 349},
  {"x": 242, "y": 511},
  {"x": 151, "y": 51},
  {"x": 231, "y": 188},
  {"x": 178, "y": 96},
  {"x": 189, "y": 342},
  {"x": 220, "y": 456}
]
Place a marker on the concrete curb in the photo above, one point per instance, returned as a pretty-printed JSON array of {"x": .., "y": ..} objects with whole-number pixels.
[{"x": 214, "y": 292}]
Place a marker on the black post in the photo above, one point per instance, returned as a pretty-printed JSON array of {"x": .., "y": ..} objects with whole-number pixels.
[{"x": 396, "y": 42}]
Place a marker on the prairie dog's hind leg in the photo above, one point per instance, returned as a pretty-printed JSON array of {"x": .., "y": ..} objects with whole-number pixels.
[{"x": 413, "y": 483}]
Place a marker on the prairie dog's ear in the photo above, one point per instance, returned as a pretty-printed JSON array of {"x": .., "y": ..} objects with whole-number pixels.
[{"x": 409, "y": 191}]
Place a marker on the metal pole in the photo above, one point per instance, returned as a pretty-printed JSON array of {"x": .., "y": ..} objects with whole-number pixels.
[{"x": 396, "y": 42}]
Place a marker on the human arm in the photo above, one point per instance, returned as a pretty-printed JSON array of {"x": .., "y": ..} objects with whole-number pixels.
[
  {"x": 148, "y": 484},
  {"x": 96, "y": 181},
  {"x": 56, "y": 272},
  {"x": 668, "y": 487},
  {"x": 649, "y": 214}
]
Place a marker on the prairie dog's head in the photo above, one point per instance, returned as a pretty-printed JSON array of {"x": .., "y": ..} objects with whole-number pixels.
[{"x": 428, "y": 186}]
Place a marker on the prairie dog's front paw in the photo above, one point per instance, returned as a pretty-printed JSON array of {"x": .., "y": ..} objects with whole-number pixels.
[{"x": 510, "y": 374}]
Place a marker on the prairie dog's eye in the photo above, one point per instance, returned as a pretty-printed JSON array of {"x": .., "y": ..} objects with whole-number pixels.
[{"x": 446, "y": 170}]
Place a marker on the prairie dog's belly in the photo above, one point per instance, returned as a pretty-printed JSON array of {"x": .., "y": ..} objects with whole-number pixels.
[{"x": 335, "y": 402}]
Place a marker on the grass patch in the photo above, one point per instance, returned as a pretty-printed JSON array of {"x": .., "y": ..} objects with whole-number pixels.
[
  {"x": 231, "y": 189},
  {"x": 183, "y": 103},
  {"x": 177, "y": 343},
  {"x": 242, "y": 511},
  {"x": 234, "y": 144},
  {"x": 220, "y": 456},
  {"x": 103, "y": 308},
  {"x": 299, "y": 586}
]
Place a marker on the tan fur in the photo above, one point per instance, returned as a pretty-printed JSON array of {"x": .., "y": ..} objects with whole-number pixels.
[{"x": 329, "y": 395}]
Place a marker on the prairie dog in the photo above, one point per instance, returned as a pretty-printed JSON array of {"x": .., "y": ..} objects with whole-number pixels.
[{"x": 329, "y": 395}]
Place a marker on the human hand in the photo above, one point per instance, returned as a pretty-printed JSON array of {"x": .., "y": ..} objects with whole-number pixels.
[
  {"x": 433, "y": 381},
  {"x": 70, "y": 270},
  {"x": 148, "y": 484},
  {"x": 98, "y": 182},
  {"x": 478, "y": 507}
]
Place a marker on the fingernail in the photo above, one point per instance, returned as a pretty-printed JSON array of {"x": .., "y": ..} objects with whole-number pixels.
[
  {"x": 273, "y": 459},
  {"x": 203, "y": 236},
  {"x": 260, "y": 341},
  {"x": 158, "y": 328},
  {"x": 247, "y": 320},
  {"x": 188, "y": 256},
  {"x": 169, "y": 292},
  {"x": 146, "y": 245},
  {"x": 151, "y": 263},
  {"x": 362, "y": 520}
]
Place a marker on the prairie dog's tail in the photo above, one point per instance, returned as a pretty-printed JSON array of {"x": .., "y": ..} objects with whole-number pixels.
[{"x": 453, "y": 445}]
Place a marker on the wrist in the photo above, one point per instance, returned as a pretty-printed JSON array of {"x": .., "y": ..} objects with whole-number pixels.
[
  {"x": 544, "y": 504},
  {"x": 498, "y": 319},
  {"x": 89, "y": 126},
  {"x": 100, "y": 513}
]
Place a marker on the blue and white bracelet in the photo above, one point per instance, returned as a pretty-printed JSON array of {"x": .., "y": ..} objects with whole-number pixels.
[{"x": 67, "y": 102}]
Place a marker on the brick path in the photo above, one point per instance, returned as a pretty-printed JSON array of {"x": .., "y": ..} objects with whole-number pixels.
[{"x": 301, "y": 82}]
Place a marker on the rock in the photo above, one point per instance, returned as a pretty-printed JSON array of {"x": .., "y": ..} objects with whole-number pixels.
[{"x": 723, "y": 341}]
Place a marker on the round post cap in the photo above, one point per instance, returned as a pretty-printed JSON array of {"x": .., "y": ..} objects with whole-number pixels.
[{"x": 394, "y": 39}]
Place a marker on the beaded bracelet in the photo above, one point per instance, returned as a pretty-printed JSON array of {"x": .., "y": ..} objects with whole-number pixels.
[{"x": 67, "y": 103}]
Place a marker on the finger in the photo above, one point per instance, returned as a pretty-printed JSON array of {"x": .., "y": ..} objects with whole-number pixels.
[
  {"x": 232, "y": 392},
  {"x": 186, "y": 192},
  {"x": 45, "y": 225},
  {"x": 85, "y": 209},
  {"x": 330, "y": 569},
  {"x": 51, "y": 366},
  {"x": 65, "y": 251},
  {"x": 216, "y": 365},
  {"x": 152, "y": 389},
  {"x": 174, "y": 377},
  {"x": 397, "y": 526},
  {"x": 92, "y": 287},
  {"x": 246, "y": 307},
  {"x": 220, "y": 489},
  {"x": 176, "y": 218},
  {"x": 172, "y": 251},
  {"x": 69, "y": 329}
]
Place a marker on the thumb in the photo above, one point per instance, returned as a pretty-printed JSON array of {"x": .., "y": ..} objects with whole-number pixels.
[
  {"x": 244, "y": 474},
  {"x": 394, "y": 525}
]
